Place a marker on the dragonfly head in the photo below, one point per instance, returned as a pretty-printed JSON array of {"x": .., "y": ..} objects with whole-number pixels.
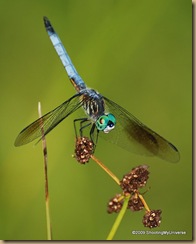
[{"x": 106, "y": 123}]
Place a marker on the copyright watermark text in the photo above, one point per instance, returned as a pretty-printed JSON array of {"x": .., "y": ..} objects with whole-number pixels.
[{"x": 164, "y": 232}]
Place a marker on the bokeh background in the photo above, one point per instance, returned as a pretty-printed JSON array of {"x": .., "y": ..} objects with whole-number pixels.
[{"x": 137, "y": 53}]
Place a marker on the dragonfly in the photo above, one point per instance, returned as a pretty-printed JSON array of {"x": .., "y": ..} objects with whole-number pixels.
[{"x": 103, "y": 117}]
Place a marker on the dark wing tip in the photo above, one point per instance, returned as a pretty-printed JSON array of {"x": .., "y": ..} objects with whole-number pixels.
[
  {"x": 17, "y": 142},
  {"x": 172, "y": 146},
  {"x": 176, "y": 159}
]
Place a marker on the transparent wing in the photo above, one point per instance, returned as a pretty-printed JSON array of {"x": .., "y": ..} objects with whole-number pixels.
[
  {"x": 130, "y": 134},
  {"x": 48, "y": 121}
]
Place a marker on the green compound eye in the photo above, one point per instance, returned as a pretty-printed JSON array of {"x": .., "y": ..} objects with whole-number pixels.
[{"x": 106, "y": 122}]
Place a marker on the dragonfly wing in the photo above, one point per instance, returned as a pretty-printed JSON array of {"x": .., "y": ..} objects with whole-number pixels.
[
  {"x": 130, "y": 134},
  {"x": 48, "y": 121}
]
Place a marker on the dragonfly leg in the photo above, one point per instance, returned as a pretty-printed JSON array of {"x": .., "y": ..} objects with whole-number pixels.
[
  {"x": 94, "y": 137},
  {"x": 92, "y": 134},
  {"x": 82, "y": 120},
  {"x": 84, "y": 123}
]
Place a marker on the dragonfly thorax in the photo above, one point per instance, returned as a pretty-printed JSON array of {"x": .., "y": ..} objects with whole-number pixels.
[
  {"x": 93, "y": 103},
  {"x": 106, "y": 123}
]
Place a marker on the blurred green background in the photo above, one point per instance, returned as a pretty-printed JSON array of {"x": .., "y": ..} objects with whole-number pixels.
[{"x": 137, "y": 53}]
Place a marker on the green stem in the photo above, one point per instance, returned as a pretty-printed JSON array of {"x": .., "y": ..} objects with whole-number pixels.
[
  {"x": 49, "y": 230},
  {"x": 118, "y": 219}
]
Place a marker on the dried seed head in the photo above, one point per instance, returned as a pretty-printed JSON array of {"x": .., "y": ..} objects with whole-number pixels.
[
  {"x": 115, "y": 204},
  {"x": 137, "y": 178},
  {"x": 135, "y": 203},
  {"x": 152, "y": 218},
  {"x": 84, "y": 148}
]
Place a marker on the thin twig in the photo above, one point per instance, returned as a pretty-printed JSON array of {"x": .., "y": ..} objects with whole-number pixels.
[
  {"x": 106, "y": 169},
  {"x": 144, "y": 202},
  {"x": 44, "y": 146}
]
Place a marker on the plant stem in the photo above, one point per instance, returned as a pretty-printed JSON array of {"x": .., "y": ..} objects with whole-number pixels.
[
  {"x": 144, "y": 202},
  {"x": 44, "y": 146},
  {"x": 118, "y": 219},
  {"x": 106, "y": 169}
]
